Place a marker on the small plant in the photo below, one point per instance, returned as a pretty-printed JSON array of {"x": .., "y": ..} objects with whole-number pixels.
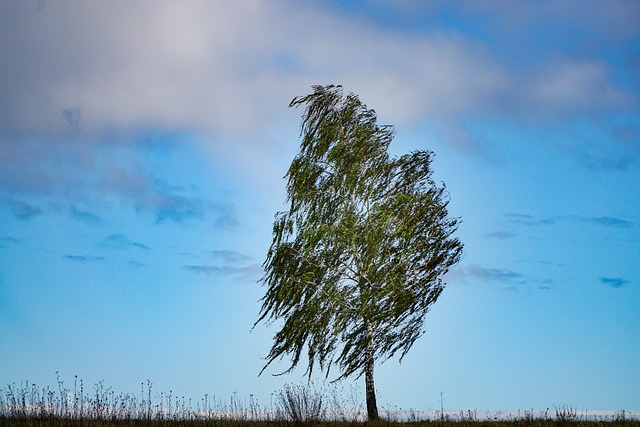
[
  {"x": 300, "y": 404},
  {"x": 566, "y": 413},
  {"x": 442, "y": 417},
  {"x": 469, "y": 416},
  {"x": 345, "y": 409}
]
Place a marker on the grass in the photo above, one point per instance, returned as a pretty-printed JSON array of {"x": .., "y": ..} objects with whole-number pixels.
[{"x": 27, "y": 405}]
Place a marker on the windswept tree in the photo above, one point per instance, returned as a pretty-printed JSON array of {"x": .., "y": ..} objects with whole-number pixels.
[{"x": 357, "y": 261}]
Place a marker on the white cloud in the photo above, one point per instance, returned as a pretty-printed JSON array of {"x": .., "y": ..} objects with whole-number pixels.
[
  {"x": 231, "y": 67},
  {"x": 78, "y": 74},
  {"x": 610, "y": 21},
  {"x": 566, "y": 87}
]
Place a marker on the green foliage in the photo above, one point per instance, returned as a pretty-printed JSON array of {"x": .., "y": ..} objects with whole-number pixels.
[{"x": 358, "y": 259}]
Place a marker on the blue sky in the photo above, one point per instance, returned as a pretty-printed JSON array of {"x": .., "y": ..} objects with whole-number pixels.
[{"x": 142, "y": 150}]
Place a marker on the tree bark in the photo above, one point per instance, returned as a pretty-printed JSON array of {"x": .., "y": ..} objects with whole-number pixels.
[{"x": 370, "y": 390}]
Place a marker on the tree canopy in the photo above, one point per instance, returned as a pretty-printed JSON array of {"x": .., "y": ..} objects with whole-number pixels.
[{"x": 358, "y": 258}]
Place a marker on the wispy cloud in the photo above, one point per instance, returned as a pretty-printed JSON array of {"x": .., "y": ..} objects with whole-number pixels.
[
  {"x": 228, "y": 263},
  {"x": 6, "y": 241},
  {"x": 84, "y": 216},
  {"x": 545, "y": 284},
  {"x": 85, "y": 258},
  {"x": 609, "y": 158},
  {"x": 78, "y": 175},
  {"x": 494, "y": 274},
  {"x": 228, "y": 256},
  {"x": 120, "y": 241},
  {"x": 519, "y": 218},
  {"x": 148, "y": 193},
  {"x": 22, "y": 210},
  {"x": 553, "y": 264},
  {"x": 487, "y": 274},
  {"x": 499, "y": 235},
  {"x": 172, "y": 207},
  {"x": 605, "y": 221},
  {"x": 250, "y": 272},
  {"x": 614, "y": 282}
]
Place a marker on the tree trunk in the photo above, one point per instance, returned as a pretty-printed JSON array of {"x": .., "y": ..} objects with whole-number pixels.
[{"x": 370, "y": 390}]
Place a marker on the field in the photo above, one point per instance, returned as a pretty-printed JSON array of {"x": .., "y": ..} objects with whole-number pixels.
[{"x": 28, "y": 405}]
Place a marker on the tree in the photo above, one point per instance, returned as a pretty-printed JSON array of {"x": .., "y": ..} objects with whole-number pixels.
[{"x": 357, "y": 260}]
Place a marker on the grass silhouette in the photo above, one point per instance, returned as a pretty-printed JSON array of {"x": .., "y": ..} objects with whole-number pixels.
[{"x": 27, "y": 405}]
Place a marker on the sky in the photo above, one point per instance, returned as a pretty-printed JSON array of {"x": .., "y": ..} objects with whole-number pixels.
[{"x": 142, "y": 152}]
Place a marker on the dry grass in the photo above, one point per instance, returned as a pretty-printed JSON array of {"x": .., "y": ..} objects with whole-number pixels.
[{"x": 27, "y": 405}]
